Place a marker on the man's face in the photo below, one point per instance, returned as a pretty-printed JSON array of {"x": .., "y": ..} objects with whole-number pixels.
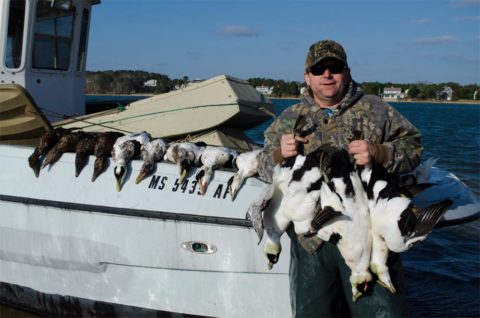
[{"x": 328, "y": 80}]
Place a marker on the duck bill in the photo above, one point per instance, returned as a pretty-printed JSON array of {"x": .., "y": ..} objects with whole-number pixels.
[
  {"x": 234, "y": 185},
  {"x": 98, "y": 168},
  {"x": 203, "y": 187},
  {"x": 36, "y": 170},
  {"x": 119, "y": 184},
  {"x": 78, "y": 170},
  {"x": 140, "y": 177},
  {"x": 183, "y": 175},
  {"x": 96, "y": 173}
]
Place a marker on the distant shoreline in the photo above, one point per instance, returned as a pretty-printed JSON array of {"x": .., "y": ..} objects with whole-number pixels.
[{"x": 430, "y": 101}]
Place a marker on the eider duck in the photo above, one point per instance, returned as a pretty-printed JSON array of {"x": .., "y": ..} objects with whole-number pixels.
[
  {"x": 85, "y": 147},
  {"x": 292, "y": 196},
  {"x": 246, "y": 164},
  {"x": 213, "y": 158},
  {"x": 103, "y": 150},
  {"x": 396, "y": 223},
  {"x": 185, "y": 155},
  {"x": 354, "y": 237},
  {"x": 150, "y": 153},
  {"x": 67, "y": 143},
  {"x": 125, "y": 149},
  {"x": 45, "y": 144}
]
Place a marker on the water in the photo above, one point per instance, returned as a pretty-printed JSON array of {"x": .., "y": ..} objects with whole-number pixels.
[{"x": 442, "y": 273}]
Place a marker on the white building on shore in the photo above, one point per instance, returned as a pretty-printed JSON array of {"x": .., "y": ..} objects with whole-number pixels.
[
  {"x": 392, "y": 93},
  {"x": 265, "y": 90}
]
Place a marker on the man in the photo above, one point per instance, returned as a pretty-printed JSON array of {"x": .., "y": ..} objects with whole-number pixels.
[{"x": 334, "y": 109}]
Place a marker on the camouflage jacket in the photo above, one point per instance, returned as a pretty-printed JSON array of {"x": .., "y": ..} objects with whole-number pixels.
[{"x": 359, "y": 116}]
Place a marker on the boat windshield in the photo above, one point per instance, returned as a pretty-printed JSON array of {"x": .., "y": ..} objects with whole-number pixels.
[
  {"x": 53, "y": 34},
  {"x": 14, "y": 47},
  {"x": 83, "y": 41}
]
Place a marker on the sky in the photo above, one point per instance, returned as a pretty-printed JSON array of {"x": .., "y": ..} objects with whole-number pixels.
[{"x": 428, "y": 41}]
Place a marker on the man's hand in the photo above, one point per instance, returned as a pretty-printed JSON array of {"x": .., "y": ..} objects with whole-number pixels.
[
  {"x": 289, "y": 145},
  {"x": 361, "y": 151}
]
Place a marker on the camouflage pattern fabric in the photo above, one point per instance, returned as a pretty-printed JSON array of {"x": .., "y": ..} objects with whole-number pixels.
[
  {"x": 359, "y": 116},
  {"x": 325, "y": 49}
]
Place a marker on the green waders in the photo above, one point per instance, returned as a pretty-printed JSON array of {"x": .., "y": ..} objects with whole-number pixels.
[{"x": 320, "y": 286}]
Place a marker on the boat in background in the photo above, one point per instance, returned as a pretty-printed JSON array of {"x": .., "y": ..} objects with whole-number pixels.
[
  {"x": 231, "y": 106},
  {"x": 73, "y": 247},
  {"x": 222, "y": 101}
]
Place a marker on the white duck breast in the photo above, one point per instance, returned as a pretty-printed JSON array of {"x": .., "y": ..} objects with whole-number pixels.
[
  {"x": 210, "y": 159},
  {"x": 396, "y": 224},
  {"x": 376, "y": 182},
  {"x": 267, "y": 215},
  {"x": 185, "y": 155},
  {"x": 125, "y": 149},
  {"x": 356, "y": 239},
  {"x": 402, "y": 225},
  {"x": 292, "y": 197},
  {"x": 151, "y": 152},
  {"x": 247, "y": 166}
]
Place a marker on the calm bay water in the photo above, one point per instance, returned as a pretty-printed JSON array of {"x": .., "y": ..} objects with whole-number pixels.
[{"x": 443, "y": 272}]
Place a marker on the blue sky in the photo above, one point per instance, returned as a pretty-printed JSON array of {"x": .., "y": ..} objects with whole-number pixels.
[{"x": 396, "y": 41}]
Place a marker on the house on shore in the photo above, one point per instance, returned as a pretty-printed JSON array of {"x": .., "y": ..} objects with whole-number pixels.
[
  {"x": 150, "y": 83},
  {"x": 392, "y": 93},
  {"x": 265, "y": 90},
  {"x": 445, "y": 94}
]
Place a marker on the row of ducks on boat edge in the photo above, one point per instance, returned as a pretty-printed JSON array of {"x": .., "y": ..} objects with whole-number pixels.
[
  {"x": 364, "y": 210},
  {"x": 123, "y": 148}
]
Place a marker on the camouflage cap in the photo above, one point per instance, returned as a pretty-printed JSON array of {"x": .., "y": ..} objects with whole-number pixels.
[{"x": 325, "y": 49}]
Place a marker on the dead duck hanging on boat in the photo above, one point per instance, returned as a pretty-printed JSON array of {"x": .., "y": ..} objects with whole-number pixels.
[
  {"x": 45, "y": 144},
  {"x": 213, "y": 158},
  {"x": 85, "y": 147},
  {"x": 185, "y": 155},
  {"x": 150, "y": 153},
  {"x": 67, "y": 143},
  {"x": 124, "y": 150},
  {"x": 103, "y": 151}
]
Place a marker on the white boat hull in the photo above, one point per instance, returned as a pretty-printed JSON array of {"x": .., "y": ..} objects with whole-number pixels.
[
  {"x": 156, "y": 245},
  {"x": 68, "y": 236}
]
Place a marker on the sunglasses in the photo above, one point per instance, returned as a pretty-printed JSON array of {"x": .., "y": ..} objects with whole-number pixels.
[{"x": 334, "y": 68}]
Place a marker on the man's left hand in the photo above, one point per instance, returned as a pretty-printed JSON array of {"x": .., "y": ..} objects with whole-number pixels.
[{"x": 360, "y": 150}]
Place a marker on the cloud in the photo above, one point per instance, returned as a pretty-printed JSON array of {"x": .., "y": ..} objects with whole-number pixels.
[
  {"x": 464, "y": 3},
  {"x": 468, "y": 18},
  {"x": 437, "y": 39},
  {"x": 236, "y": 30},
  {"x": 421, "y": 21}
]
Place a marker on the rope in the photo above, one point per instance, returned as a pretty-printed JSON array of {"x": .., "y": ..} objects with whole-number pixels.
[{"x": 76, "y": 119}]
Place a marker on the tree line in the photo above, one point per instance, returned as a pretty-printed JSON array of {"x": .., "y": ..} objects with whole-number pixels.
[{"x": 133, "y": 82}]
